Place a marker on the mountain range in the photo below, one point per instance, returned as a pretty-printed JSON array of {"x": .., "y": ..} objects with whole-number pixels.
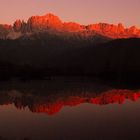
[
  {"x": 54, "y": 25},
  {"x": 44, "y": 46}
]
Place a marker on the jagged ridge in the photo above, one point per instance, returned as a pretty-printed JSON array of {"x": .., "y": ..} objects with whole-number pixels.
[{"x": 52, "y": 24}]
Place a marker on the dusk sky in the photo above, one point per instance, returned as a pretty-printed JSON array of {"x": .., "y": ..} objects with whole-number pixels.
[{"x": 82, "y": 11}]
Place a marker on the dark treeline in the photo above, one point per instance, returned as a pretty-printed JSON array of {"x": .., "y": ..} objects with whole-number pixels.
[
  {"x": 40, "y": 58},
  {"x": 114, "y": 60}
]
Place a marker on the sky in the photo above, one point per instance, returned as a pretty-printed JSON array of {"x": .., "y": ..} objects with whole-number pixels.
[{"x": 81, "y": 11}]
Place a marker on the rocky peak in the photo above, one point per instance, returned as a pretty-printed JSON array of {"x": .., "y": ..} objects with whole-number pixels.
[
  {"x": 4, "y": 30},
  {"x": 53, "y": 17},
  {"x": 121, "y": 28},
  {"x": 115, "y": 31},
  {"x": 19, "y": 26},
  {"x": 133, "y": 30},
  {"x": 45, "y": 22},
  {"x": 8, "y": 27}
]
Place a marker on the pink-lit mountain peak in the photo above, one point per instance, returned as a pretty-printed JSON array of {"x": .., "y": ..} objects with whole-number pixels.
[
  {"x": 46, "y": 17},
  {"x": 110, "y": 30}
]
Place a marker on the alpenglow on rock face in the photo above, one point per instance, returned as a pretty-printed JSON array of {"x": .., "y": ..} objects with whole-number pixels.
[
  {"x": 52, "y": 24},
  {"x": 44, "y": 23}
]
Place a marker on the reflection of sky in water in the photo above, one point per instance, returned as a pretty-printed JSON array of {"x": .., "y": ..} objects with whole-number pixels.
[{"x": 79, "y": 122}]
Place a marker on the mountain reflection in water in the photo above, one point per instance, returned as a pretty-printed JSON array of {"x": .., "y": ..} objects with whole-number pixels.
[
  {"x": 54, "y": 103},
  {"x": 78, "y": 110}
]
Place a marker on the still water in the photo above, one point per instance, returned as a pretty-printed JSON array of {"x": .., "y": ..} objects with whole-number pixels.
[{"x": 68, "y": 110}]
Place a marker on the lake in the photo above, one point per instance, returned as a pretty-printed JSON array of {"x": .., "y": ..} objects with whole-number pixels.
[{"x": 68, "y": 110}]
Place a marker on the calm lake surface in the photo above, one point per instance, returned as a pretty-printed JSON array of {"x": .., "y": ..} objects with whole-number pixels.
[{"x": 68, "y": 110}]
